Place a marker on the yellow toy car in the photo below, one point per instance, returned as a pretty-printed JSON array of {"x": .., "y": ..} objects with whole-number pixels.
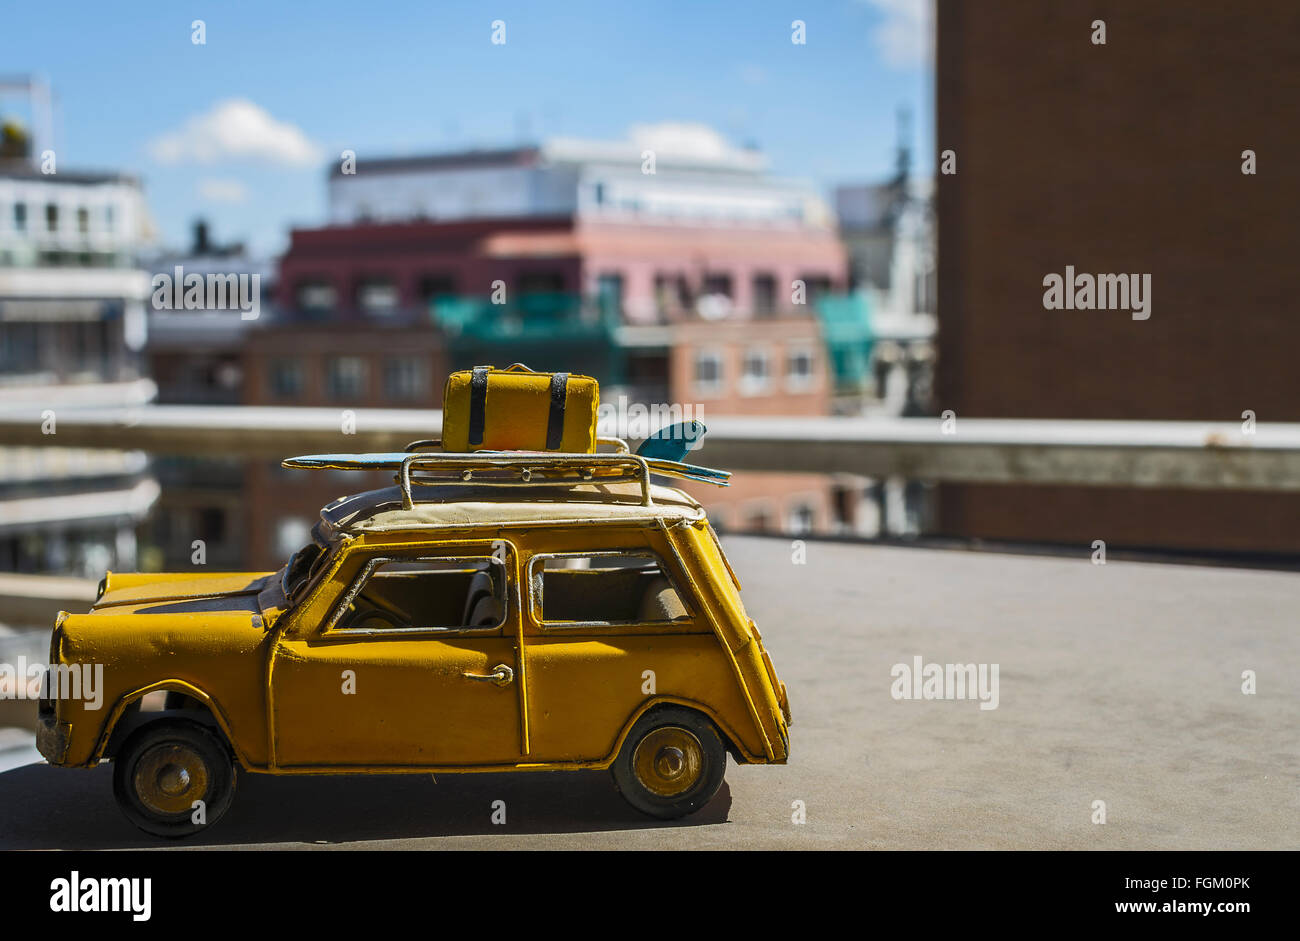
[{"x": 492, "y": 612}]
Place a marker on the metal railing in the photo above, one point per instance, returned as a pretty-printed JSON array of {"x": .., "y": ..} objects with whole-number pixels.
[{"x": 1183, "y": 455}]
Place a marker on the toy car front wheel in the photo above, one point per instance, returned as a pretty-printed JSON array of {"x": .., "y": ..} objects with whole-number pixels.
[
  {"x": 671, "y": 764},
  {"x": 165, "y": 769}
]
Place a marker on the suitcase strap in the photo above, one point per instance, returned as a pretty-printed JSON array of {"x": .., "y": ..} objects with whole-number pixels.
[
  {"x": 555, "y": 420},
  {"x": 477, "y": 403},
  {"x": 478, "y": 387}
]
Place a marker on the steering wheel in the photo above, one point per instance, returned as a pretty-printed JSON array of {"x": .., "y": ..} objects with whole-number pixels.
[
  {"x": 359, "y": 619},
  {"x": 377, "y": 609}
]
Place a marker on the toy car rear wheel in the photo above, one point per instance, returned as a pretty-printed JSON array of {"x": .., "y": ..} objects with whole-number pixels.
[
  {"x": 164, "y": 768},
  {"x": 671, "y": 764}
]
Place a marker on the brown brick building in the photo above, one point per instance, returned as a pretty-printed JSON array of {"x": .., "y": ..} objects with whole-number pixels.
[
  {"x": 770, "y": 365},
  {"x": 1122, "y": 157},
  {"x": 346, "y": 365}
]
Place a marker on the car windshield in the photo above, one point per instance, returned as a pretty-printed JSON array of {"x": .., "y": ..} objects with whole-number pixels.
[{"x": 302, "y": 568}]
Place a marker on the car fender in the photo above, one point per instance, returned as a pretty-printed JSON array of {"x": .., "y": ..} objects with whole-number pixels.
[{"x": 119, "y": 724}]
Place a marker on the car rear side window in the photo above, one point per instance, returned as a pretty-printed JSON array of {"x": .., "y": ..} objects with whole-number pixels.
[{"x": 604, "y": 588}]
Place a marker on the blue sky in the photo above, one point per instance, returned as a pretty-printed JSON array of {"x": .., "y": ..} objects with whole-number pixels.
[{"x": 402, "y": 77}]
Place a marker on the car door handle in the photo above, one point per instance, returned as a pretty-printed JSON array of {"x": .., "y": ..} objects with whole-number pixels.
[{"x": 501, "y": 675}]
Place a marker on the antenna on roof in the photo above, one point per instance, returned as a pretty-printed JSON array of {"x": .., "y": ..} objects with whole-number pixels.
[{"x": 903, "y": 122}]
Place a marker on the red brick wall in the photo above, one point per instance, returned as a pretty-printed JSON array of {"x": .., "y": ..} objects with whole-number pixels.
[{"x": 1123, "y": 157}]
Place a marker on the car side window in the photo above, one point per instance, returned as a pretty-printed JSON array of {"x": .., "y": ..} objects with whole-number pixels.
[
  {"x": 604, "y": 589},
  {"x": 396, "y": 595}
]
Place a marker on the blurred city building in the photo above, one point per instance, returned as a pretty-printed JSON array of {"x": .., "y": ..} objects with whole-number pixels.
[
  {"x": 671, "y": 264},
  {"x": 237, "y": 513},
  {"x": 344, "y": 364},
  {"x": 889, "y": 231},
  {"x": 196, "y": 357},
  {"x": 72, "y": 331},
  {"x": 1119, "y": 156}
]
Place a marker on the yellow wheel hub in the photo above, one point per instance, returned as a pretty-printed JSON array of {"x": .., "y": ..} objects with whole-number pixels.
[
  {"x": 170, "y": 777},
  {"x": 668, "y": 761}
]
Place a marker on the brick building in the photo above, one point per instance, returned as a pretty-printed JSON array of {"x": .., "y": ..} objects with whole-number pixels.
[
  {"x": 1122, "y": 157},
  {"x": 394, "y": 363}
]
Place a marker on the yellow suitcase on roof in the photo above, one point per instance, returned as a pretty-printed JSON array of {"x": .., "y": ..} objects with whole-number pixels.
[{"x": 516, "y": 409}]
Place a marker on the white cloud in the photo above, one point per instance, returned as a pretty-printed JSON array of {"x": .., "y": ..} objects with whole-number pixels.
[
  {"x": 223, "y": 191},
  {"x": 905, "y": 35},
  {"x": 236, "y": 129}
]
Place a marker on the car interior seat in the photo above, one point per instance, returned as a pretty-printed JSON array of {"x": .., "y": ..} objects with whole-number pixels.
[
  {"x": 660, "y": 602},
  {"x": 482, "y": 608}
]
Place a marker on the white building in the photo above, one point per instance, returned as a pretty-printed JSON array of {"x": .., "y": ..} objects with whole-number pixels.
[
  {"x": 681, "y": 173},
  {"x": 889, "y": 231},
  {"x": 72, "y": 330}
]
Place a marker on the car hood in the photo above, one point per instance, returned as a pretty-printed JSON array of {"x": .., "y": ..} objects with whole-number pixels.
[{"x": 218, "y": 591}]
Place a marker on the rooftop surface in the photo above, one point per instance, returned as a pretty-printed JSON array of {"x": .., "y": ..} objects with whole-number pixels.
[{"x": 1118, "y": 683}]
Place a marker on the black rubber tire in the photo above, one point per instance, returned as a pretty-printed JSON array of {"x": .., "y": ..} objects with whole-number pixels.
[
  {"x": 714, "y": 764},
  {"x": 217, "y": 761}
]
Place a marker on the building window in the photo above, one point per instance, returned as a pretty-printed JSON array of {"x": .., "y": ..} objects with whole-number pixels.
[
  {"x": 541, "y": 282},
  {"x": 715, "y": 297},
  {"x": 377, "y": 296},
  {"x": 212, "y": 525},
  {"x": 755, "y": 373},
  {"x": 816, "y": 287},
  {"x": 800, "y": 369},
  {"x": 609, "y": 293},
  {"x": 435, "y": 287},
  {"x": 83, "y": 220},
  {"x": 758, "y": 517},
  {"x": 685, "y": 294},
  {"x": 20, "y": 217},
  {"x": 801, "y": 519},
  {"x": 404, "y": 378},
  {"x": 316, "y": 296},
  {"x": 844, "y": 500},
  {"x": 108, "y": 218},
  {"x": 673, "y": 294},
  {"x": 718, "y": 284},
  {"x": 708, "y": 373},
  {"x": 51, "y": 217},
  {"x": 665, "y": 295},
  {"x": 764, "y": 295},
  {"x": 345, "y": 377},
  {"x": 286, "y": 378}
]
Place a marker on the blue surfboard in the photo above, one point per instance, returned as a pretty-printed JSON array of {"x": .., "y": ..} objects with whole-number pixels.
[{"x": 672, "y": 442}]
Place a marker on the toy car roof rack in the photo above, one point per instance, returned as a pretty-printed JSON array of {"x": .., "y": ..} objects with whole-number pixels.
[
  {"x": 506, "y": 469},
  {"x": 421, "y": 468}
]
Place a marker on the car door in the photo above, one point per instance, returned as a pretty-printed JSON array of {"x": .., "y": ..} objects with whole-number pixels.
[
  {"x": 606, "y": 631},
  {"x": 413, "y": 664}
]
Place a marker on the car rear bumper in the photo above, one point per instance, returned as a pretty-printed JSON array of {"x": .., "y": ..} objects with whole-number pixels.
[{"x": 52, "y": 738}]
